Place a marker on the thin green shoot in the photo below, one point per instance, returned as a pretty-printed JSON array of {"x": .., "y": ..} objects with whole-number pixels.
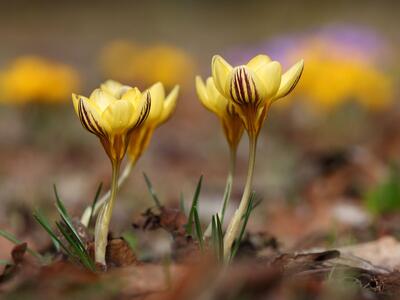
[
  {"x": 13, "y": 239},
  {"x": 189, "y": 225},
  {"x": 94, "y": 202},
  {"x": 152, "y": 191},
  {"x": 198, "y": 230}
]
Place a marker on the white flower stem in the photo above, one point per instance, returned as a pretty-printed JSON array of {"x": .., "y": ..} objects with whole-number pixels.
[
  {"x": 85, "y": 219},
  {"x": 234, "y": 225},
  {"x": 104, "y": 218}
]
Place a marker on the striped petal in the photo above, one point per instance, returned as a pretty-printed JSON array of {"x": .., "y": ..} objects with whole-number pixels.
[
  {"x": 142, "y": 109},
  {"x": 90, "y": 116},
  {"x": 245, "y": 87},
  {"x": 290, "y": 80},
  {"x": 157, "y": 93}
]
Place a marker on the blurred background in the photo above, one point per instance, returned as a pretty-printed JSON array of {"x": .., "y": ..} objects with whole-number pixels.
[{"x": 327, "y": 155}]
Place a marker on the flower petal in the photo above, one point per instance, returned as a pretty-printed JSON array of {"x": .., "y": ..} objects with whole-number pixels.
[
  {"x": 157, "y": 93},
  {"x": 258, "y": 61},
  {"x": 119, "y": 115},
  {"x": 270, "y": 76},
  {"x": 90, "y": 116},
  {"x": 218, "y": 102},
  {"x": 114, "y": 88},
  {"x": 202, "y": 94},
  {"x": 290, "y": 79},
  {"x": 169, "y": 105},
  {"x": 142, "y": 109},
  {"x": 221, "y": 71},
  {"x": 245, "y": 87},
  {"x": 102, "y": 99}
]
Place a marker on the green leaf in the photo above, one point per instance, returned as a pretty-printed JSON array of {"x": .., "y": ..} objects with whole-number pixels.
[
  {"x": 214, "y": 236},
  {"x": 80, "y": 253},
  {"x": 67, "y": 219},
  {"x": 189, "y": 225},
  {"x": 199, "y": 232},
  {"x": 5, "y": 262},
  {"x": 385, "y": 197},
  {"x": 217, "y": 238},
  {"x": 220, "y": 238},
  {"x": 152, "y": 191},
  {"x": 45, "y": 224},
  {"x": 13, "y": 239},
  {"x": 96, "y": 198},
  {"x": 245, "y": 217},
  {"x": 130, "y": 239}
]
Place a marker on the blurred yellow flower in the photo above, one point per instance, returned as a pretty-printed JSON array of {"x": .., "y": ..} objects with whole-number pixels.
[
  {"x": 32, "y": 78},
  {"x": 332, "y": 79},
  {"x": 129, "y": 62}
]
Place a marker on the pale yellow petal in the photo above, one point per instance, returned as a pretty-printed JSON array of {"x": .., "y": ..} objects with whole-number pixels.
[
  {"x": 290, "y": 79},
  {"x": 114, "y": 88},
  {"x": 202, "y": 93},
  {"x": 120, "y": 116},
  {"x": 75, "y": 102},
  {"x": 258, "y": 61},
  {"x": 169, "y": 105},
  {"x": 221, "y": 73},
  {"x": 102, "y": 99},
  {"x": 133, "y": 95},
  {"x": 216, "y": 99},
  {"x": 270, "y": 76},
  {"x": 157, "y": 94}
]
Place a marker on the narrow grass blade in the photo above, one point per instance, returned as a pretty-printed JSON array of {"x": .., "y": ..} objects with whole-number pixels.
[
  {"x": 80, "y": 253},
  {"x": 96, "y": 198},
  {"x": 189, "y": 226},
  {"x": 220, "y": 238},
  {"x": 199, "y": 232},
  {"x": 13, "y": 239},
  {"x": 246, "y": 216},
  {"x": 152, "y": 191},
  {"x": 45, "y": 224},
  {"x": 214, "y": 236},
  {"x": 67, "y": 219},
  {"x": 5, "y": 262}
]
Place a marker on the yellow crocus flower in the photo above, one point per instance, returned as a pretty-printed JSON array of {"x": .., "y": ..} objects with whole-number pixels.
[
  {"x": 161, "y": 109},
  {"x": 111, "y": 112},
  {"x": 251, "y": 88},
  {"x": 112, "y": 115}
]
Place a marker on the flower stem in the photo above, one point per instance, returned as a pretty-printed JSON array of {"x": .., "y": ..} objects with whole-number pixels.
[
  {"x": 103, "y": 220},
  {"x": 234, "y": 225},
  {"x": 85, "y": 219},
  {"x": 228, "y": 190}
]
